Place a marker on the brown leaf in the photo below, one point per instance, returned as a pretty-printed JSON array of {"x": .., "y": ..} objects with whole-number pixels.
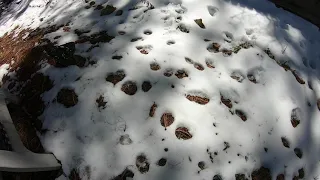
[
  {"x": 183, "y": 133},
  {"x": 166, "y": 119}
]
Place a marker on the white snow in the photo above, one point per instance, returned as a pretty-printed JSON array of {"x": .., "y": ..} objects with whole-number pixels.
[
  {"x": 3, "y": 71},
  {"x": 84, "y": 136}
]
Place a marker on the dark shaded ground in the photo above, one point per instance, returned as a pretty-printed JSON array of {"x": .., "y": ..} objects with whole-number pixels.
[{"x": 308, "y": 9}]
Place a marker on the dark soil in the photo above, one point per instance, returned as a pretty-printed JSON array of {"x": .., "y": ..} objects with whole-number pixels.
[
  {"x": 241, "y": 177},
  {"x": 99, "y": 7},
  {"x": 280, "y": 177},
  {"x": 142, "y": 164},
  {"x": 301, "y": 173},
  {"x": 295, "y": 121},
  {"x": 183, "y": 133},
  {"x": 153, "y": 109},
  {"x": 183, "y": 28},
  {"x": 31, "y": 94},
  {"x": 136, "y": 39},
  {"x": 298, "y": 77},
  {"x": 67, "y": 97},
  {"x": 125, "y": 140},
  {"x": 79, "y": 32},
  {"x": 198, "y": 66},
  {"x": 210, "y": 64},
  {"x": 155, "y": 66},
  {"x": 200, "y": 23},
  {"x": 63, "y": 56},
  {"x": 226, "y": 52},
  {"x": 226, "y": 146},
  {"x": 241, "y": 114},
  {"x": 226, "y": 102},
  {"x": 188, "y": 60},
  {"x": 146, "y": 86},
  {"x": 119, "y": 13},
  {"x": 202, "y": 165},
  {"x": 198, "y": 99},
  {"x": 166, "y": 119},
  {"x": 285, "y": 142},
  {"x": 162, "y": 162},
  {"x": 117, "y": 57},
  {"x": 298, "y": 152},
  {"x": 237, "y": 76},
  {"x": 214, "y": 47},
  {"x": 127, "y": 173},
  {"x": 74, "y": 175},
  {"x": 252, "y": 78},
  {"x": 129, "y": 87},
  {"x": 269, "y": 53},
  {"x": 169, "y": 73},
  {"x": 181, "y": 74},
  {"x": 261, "y": 174},
  {"x": 107, "y": 10},
  {"x": 101, "y": 36},
  {"x": 101, "y": 103},
  {"x": 116, "y": 77},
  {"x": 217, "y": 177}
]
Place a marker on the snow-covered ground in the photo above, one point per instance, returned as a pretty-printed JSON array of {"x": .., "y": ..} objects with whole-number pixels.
[{"x": 100, "y": 142}]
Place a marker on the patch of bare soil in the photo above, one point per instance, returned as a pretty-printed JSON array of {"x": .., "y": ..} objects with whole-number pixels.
[
  {"x": 198, "y": 99},
  {"x": 210, "y": 64},
  {"x": 142, "y": 163},
  {"x": 117, "y": 57},
  {"x": 298, "y": 152},
  {"x": 101, "y": 102},
  {"x": 217, "y": 177},
  {"x": 237, "y": 76},
  {"x": 244, "y": 45},
  {"x": 226, "y": 102},
  {"x": 261, "y": 174},
  {"x": 240, "y": 177},
  {"x": 162, "y": 162},
  {"x": 241, "y": 114},
  {"x": 295, "y": 117},
  {"x": 198, "y": 66},
  {"x": 285, "y": 142},
  {"x": 298, "y": 77},
  {"x": 252, "y": 78},
  {"x": 188, "y": 60},
  {"x": 116, "y": 77},
  {"x": 168, "y": 72},
  {"x": 166, "y": 119},
  {"x": 31, "y": 94},
  {"x": 153, "y": 109},
  {"x": 183, "y": 133},
  {"x": 269, "y": 53},
  {"x": 67, "y": 97},
  {"x": 107, "y": 10},
  {"x": 280, "y": 177},
  {"x": 200, "y": 23},
  {"x": 155, "y": 66},
  {"x": 101, "y": 36},
  {"x": 214, "y": 47},
  {"x": 181, "y": 74},
  {"x": 226, "y": 52},
  {"x": 127, "y": 173},
  {"x": 146, "y": 86},
  {"x": 129, "y": 87}
]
